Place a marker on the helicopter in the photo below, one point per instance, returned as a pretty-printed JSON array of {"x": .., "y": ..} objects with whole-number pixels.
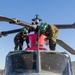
[
  {"x": 36, "y": 21},
  {"x": 37, "y": 61}
]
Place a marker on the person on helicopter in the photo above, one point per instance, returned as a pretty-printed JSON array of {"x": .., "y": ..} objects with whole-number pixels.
[
  {"x": 51, "y": 33},
  {"x": 20, "y": 38}
]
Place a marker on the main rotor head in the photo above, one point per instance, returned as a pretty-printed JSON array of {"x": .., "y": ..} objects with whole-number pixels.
[{"x": 36, "y": 20}]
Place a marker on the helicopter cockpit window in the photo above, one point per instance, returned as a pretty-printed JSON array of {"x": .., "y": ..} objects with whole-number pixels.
[
  {"x": 23, "y": 62},
  {"x": 56, "y": 63}
]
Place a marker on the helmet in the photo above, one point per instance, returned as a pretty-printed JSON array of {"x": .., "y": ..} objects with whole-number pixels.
[
  {"x": 25, "y": 31},
  {"x": 43, "y": 26}
]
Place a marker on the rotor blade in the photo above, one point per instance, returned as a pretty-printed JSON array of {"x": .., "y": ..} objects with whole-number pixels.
[
  {"x": 0, "y": 34},
  {"x": 10, "y": 31},
  {"x": 61, "y": 26},
  {"x": 65, "y": 46},
  {"x": 65, "y": 26},
  {"x": 16, "y": 21},
  {"x": 21, "y": 23},
  {"x": 3, "y": 18}
]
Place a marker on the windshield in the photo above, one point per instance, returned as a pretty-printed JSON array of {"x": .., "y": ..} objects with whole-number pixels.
[
  {"x": 49, "y": 62},
  {"x": 57, "y": 63},
  {"x": 23, "y": 62}
]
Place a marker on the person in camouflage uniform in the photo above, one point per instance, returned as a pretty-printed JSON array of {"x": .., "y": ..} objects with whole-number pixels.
[
  {"x": 51, "y": 32},
  {"x": 20, "y": 38}
]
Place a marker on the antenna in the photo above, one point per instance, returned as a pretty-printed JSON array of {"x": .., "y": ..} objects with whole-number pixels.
[{"x": 35, "y": 21}]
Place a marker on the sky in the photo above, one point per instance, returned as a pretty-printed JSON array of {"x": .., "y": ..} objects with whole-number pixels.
[{"x": 50, "y": 11}]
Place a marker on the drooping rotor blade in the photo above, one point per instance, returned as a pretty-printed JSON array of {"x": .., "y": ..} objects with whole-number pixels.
[
  {"x": 65, "y": 26},
  {"x": 4, "y": 33},
  {"x": 21, "y": 23},
  {"x": 65, "y": 46},
  {"x": 0, "y": 34},
  {"x": 61, "y": 26},
  {"x": 16, "y": 21},
  {"x": 6, "y": 19}
]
